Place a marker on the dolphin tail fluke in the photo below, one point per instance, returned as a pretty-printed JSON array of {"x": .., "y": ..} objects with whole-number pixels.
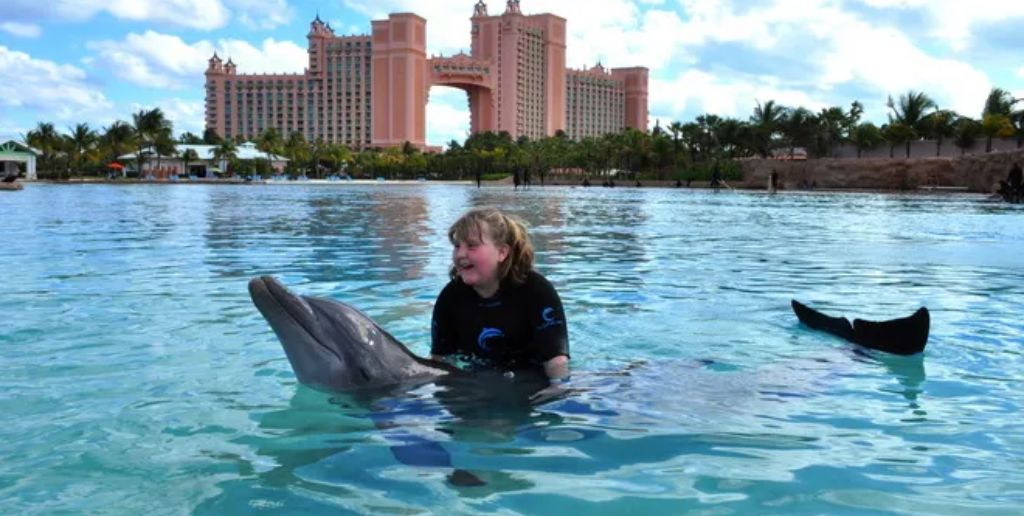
[
  {"x": 904, "y": 336},
  {"x": 838, "y": 326}
]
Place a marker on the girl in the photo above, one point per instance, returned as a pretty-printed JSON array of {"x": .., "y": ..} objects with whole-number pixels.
[{"x": 497, "y": 311}]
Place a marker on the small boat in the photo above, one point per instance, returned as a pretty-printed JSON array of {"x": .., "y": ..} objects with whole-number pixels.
[{"x": 10, "y": 183}]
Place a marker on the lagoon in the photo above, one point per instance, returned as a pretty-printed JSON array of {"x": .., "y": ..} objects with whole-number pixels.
[{"x": 135, "y": 374}]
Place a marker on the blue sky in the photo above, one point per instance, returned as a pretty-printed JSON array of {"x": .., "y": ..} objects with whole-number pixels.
[{"x": 70, "y": 61}]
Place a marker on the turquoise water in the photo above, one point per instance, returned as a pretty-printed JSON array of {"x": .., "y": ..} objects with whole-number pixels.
[{"x": 136, "y": 376}]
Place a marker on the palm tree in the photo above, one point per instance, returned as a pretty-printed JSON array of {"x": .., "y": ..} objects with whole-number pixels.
[
  {"x": 676, "y": 128},
  {"x": 910, "y": 113},
  {"x": 340, "y": 156},
  {"x": 83, "y": 139},
  {"x": 47, "y": 141},
  {"x": 270, "y": 142},
  {"x": 690, "y": 137},
  {"x": 164, "y": 146},
  {"x": 225, "y": 153},
  {"x": 798, "y": 128},
  {"x": 898, "y": 133},
  {"x": 767, "y": 119},
  {"x": 999, "y": 102},
  {"x": 187, "y": 157},
  {"x": 296, "y": 150},
  {"x": 189, "y": 138},
  {"x": 117, "y": 139},
  {"x": 996, "y": 124},
  {"x": 210, "y": 137},
  {"x": 939, "y": 125},
  {"x": 965, "y": 133},
  {"x": 833, "y": 124},
  {"x": 150, "y": 126},
  {"x": 707, "y": 135},
  {"x": 867, "y": 136}
]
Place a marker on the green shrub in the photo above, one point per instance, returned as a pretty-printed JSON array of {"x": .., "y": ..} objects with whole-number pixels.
[
  {"x": 495, "y": 176},
  {"x": 728, "y": 170}
]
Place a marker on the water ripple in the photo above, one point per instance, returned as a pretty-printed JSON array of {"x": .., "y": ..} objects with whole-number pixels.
[{"x": 136, "y": 375}]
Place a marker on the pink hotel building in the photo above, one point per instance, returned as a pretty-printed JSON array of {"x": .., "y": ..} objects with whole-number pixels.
[{"x": 371, "y": 91}]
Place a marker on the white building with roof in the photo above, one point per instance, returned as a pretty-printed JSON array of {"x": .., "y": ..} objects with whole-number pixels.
[
  {"x": 13, "y": 152},
  {"x": 206, "y": 163}
]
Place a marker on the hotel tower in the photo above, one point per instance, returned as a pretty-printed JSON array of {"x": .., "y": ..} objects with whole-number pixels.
[{"x": 371, "y": 90}]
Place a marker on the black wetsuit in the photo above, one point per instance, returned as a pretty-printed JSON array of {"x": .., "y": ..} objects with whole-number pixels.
[{"x": 521, "y": 326}]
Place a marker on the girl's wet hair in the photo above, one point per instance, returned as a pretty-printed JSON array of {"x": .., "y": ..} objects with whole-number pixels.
[{"x": 502, "y": 229}]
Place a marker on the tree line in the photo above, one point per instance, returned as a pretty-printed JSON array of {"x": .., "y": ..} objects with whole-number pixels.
[{"x": 677, "y": 151}]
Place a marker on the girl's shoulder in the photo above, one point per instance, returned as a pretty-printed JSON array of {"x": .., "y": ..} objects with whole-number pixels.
[{"x": 536, "y": 282}]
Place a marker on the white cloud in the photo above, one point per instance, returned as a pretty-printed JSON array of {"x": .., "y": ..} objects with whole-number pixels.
[
  {"x": 263, "y": 14},
  {"x": 185, "y": 115},
  {"x": 24, "y": 30},
  {"x": 835, "y": 47},
  {"x": 885, "y": 58},
  {"x": 1020, "y": 73},
  {"x": 447, "y": 116},
  {"x": 954, "y": 22},
  {"x": 616, "y": 32},
  {"x": 830, "y": 46},
  {"x": 196, "y": 14},
  {"x": 50, "y": 89},
  {"x": 9, "y": 131},
  {"x": 701, "y": 92},
  {"x": 165, "y": 61}
]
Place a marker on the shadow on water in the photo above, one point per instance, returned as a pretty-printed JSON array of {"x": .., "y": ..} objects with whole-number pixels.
[
  {"x": 323, "y": 449},
  {"x": 478, "y": 435},
  {"x": 909, "y": 373}
]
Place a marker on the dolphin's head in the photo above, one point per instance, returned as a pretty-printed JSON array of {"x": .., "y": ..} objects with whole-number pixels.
[{"x": 333, "y": 346}]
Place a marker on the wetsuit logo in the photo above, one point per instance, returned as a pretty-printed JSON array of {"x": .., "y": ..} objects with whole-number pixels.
[
  {"x": 488, "y": 333},
  {"x": 548, "y": 316}
]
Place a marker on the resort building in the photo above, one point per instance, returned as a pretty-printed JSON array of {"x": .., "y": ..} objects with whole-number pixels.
[
  {"x": 13, "y": 153},
  {"x": 206, "y": 163},
  {"x": 372, "y": 90}
]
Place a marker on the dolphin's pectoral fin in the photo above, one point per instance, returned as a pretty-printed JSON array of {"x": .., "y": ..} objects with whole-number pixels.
[{"x": 904, "y": 336}]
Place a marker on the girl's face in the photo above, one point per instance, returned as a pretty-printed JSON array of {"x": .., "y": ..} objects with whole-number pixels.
[{"x": 476, "y": 260}]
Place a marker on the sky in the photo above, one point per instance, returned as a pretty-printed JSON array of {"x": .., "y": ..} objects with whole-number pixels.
[{"x": 97, "y": 61}]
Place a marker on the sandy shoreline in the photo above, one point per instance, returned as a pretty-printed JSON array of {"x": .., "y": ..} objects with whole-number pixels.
[{"x": 507, "y": 184}]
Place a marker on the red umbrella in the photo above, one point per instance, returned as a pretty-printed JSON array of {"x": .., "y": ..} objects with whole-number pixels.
[{"x": 115, "y": 165}]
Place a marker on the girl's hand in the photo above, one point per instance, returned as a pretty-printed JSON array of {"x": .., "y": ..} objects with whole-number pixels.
[{"x": 552, "y": 392}]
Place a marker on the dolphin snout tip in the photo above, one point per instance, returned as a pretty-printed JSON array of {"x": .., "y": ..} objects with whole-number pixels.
[
  {"x": 255, "y": 283},
  {"x": 260, "y": 284}
]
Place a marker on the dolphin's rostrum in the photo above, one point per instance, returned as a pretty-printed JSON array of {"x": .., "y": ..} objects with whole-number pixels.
[{"x": 332, "y": 346}]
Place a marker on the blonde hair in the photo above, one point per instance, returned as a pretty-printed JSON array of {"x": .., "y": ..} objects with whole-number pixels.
[{"x": 502, "y": 229}]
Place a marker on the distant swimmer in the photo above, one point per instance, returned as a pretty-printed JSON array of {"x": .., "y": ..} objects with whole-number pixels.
[{"x": 773, "y": 182}]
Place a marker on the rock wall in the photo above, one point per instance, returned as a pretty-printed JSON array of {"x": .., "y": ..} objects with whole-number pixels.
[{"x": 976, "y": 173}]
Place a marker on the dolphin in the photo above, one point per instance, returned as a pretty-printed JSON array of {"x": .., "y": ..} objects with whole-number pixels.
[
  {"x": 334, "y": 347},
  {"x": 903, "y": 336}
]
